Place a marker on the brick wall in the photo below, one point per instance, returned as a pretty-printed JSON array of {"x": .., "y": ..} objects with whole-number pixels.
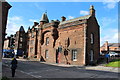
[{"x": 93, "y": 28}]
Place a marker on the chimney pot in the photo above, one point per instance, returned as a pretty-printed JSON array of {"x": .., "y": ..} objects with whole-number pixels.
[{"x": 63, "y": 18}]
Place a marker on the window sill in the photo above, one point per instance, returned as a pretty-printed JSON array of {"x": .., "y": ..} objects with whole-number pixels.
[{"x": 75, "y": 60}]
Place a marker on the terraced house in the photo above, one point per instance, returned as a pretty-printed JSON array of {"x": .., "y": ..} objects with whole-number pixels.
[{"x": 75, "y": 41}]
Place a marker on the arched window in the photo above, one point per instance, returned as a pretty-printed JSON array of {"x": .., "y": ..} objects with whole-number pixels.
[
  {"x": 91, "y": 55},
  {"x": 92, "y": 38},
  {"x": 47, "y": 40},
  {"x": 67, "y": 42}
]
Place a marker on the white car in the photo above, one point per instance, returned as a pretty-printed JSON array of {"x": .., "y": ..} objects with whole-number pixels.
[{"x": 113, "y": 54}]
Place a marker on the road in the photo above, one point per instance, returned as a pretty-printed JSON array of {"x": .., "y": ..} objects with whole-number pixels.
[{"x": 32, "y": 69}]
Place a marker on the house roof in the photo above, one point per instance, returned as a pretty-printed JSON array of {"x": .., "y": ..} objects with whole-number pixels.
[
  {"x": 76, "y": 19},
  {"x": 112, "y": 45},
  {"x": 21, "y": 28},
  {"x": 44, "y": 18}
]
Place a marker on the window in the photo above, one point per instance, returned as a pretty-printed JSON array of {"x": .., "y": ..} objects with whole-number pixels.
[
  {"x": 32, "y": 42},
  {"x": 47, "y": 40},
  {"x": 91, "y": 55},
  {"x": 92, "y": 38},
  {"x": 21, "y": 39},
  {"x": 20, "y": 45},
  {"x": 28, "y": 42},
  {"x": 31, "y": 50},
  {"x": 74, "y": 55},
  {"x": 20, "y": 34},
  {"x": 32, "y": 35},
  {"x": 46, "y": 54},
  {"x": 67, "y": 42}
]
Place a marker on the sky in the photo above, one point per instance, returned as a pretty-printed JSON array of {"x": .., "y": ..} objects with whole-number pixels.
[{"x": 25, "y": 13}]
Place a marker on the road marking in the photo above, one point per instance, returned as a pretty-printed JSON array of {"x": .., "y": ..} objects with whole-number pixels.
[
  {"x": 52, "y": 69},
  {"x": 29, "y": 74}
]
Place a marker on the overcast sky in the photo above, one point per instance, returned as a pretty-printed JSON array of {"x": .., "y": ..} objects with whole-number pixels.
[{"x": 25, "y": 13}]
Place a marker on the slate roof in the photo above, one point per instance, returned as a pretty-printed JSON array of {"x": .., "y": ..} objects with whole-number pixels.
[
  {"x": 112, "y": 45},
  {"x": 44, "y": 18},
  {"x": 76, "y": 19}
]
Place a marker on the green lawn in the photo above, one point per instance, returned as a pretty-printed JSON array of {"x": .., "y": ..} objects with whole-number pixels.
[{"x": 114, "y": 63}]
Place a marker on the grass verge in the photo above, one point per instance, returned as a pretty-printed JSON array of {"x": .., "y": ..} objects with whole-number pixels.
[{"x": 114, "y": 63}]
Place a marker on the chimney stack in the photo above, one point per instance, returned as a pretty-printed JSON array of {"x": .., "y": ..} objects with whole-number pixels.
[
  {"x": 92, "y": 10},
  {"x": 36, "y": 23},
  {"x": 63, "y": 18},
  {"x": 106, "y": 46}
]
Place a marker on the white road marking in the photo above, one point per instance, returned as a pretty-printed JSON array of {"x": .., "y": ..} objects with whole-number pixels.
[
  {"x": 29, "y": 74},
  {"x": 52, "y": 69}
]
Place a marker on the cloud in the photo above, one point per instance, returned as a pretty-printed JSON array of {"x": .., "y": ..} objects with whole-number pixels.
[
  {"x": 112, "y": 38},
  {"x": 39, "y": 7},
  {"x": 108, "y": 29},
  {"x": 15, "y": 18},
  {"x": 107, "y": 21},
  {"x": 70, "y": 17},
  {"x": 110, "y": 4},
  {"x": 33, "y": 20},
  {"x": 82, "y": 12},
  {"x": 13, "y": 24},
  {"x": 110, "y": 35}
]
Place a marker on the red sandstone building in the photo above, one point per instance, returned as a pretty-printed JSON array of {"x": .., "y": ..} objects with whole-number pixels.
[
  {"x": 75, "y": 41},
  {"x": 20, "y": 42}
]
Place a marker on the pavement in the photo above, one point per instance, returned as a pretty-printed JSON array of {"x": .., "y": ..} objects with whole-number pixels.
[{"x": 98, "y": 67}]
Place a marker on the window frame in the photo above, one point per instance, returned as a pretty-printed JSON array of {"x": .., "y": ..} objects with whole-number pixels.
[
  {"x": 32, "y": 42},
  {"x": 47, "y": 41},
  {"x": 21, "y": 39},
  {"x": 92, "y": 38},
  {"x": 32, "y": 34},
  {"x": 46, "y": 54},
  {"x": 20, "y": 45},
  {"x": 91, "y": 55},
  {"x": 31, "y": 50},
  {"x": 74, "y": 55}
]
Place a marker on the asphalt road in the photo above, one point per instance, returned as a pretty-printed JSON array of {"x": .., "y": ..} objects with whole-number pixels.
[{"x": 32, "y": 69}]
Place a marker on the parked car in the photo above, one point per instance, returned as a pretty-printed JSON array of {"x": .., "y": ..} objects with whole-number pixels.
[{"x": 113, "y": 54}]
